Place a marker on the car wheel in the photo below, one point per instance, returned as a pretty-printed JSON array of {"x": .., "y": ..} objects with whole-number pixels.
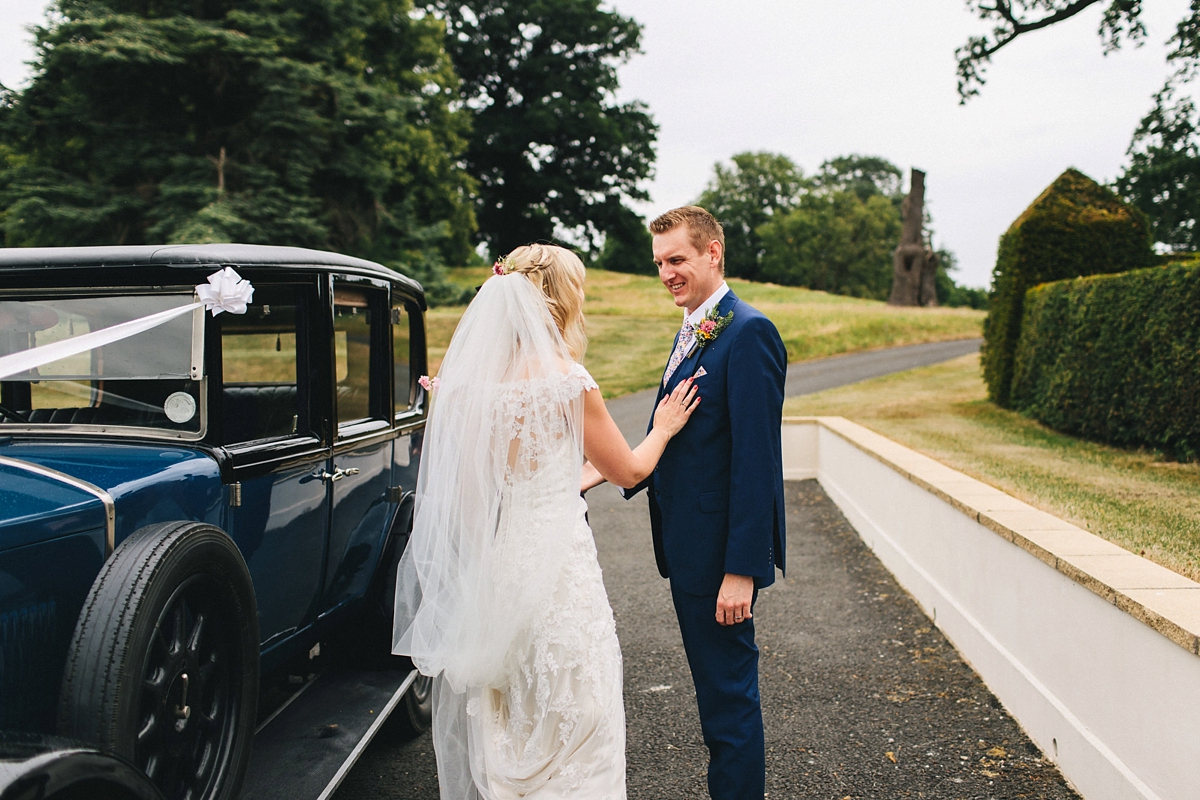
[
  {"x": 163, "y": 666},
  {"x": 414, "y": 713},
  {"x": 73, "y": 773}
]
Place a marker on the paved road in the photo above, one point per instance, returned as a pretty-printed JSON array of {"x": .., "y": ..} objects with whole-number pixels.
[
  {"x": 863, "y": 698},
  {"x": 633, "y": 411},
  {"x": 827, "y": 373}
]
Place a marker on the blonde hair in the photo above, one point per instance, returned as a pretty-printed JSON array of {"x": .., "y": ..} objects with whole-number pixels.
[
  {"x": 559, "y": 274},
  {"x": 702, "y": 228}
]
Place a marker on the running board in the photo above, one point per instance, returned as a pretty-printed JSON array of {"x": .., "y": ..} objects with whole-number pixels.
[{"x": 307, "y": 747}]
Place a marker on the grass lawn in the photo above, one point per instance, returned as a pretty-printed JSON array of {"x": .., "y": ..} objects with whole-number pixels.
[
  {"x": 631, "y": 323},
  {"x": 1130, "y": 498}
]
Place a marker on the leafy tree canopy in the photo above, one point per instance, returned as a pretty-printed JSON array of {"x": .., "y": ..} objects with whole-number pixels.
[
  {"x": 863, "y": 175},
  {"x": 744, "y": 196},
  {"x": 1163, "y": 177},
  {"x": 834, "y": 242},
  {"x": 322, "y": 123},
  {"x": 1121, "y": 22},
  {"x": 628, "y": 245},
  {"x": 833, "y": 232},
  {"x": 1014, "y": 18},
  {"x": 551, "y": 148}
]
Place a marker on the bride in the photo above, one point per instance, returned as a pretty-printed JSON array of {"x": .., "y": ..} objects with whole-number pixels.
[{"x": 499, "y": 595}]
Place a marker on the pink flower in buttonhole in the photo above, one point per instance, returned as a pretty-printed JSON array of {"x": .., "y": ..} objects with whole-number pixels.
[{"x": 707, "y": 326}]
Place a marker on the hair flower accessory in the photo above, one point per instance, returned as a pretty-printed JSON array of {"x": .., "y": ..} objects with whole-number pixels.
[
  {"x": 503, "y": 265},
  {"x": 427, "y": 383}
]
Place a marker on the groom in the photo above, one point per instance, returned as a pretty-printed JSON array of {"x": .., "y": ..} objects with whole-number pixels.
[{"x": 716, "y": 498}]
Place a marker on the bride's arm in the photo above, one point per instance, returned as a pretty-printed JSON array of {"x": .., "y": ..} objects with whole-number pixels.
[{"x": 606, "y": 449}]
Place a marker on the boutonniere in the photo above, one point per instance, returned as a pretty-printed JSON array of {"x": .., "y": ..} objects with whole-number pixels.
[{"x": 709, "y": 328}]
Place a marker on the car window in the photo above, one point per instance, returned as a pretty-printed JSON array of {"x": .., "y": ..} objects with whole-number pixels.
[
  {"x": 357, "y": 341},
  {"x": 139, "y": 380},
  {"x": 402, "y": 394},
  {"x": 260, "y": 357}
]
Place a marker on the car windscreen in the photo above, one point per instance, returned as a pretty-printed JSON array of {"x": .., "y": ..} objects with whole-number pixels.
[{"x": 144, "y": 380}]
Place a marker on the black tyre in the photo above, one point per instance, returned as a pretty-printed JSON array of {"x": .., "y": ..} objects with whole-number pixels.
[
  {"x": 414, "y": 714},
  {"x": 163, "y": 666}
]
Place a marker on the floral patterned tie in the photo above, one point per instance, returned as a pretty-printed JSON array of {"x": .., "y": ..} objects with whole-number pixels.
[{"x": 686, "y": 336}]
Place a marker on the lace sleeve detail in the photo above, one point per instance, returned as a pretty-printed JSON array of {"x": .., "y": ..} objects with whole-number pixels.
[{"x": 579, "y": 376}]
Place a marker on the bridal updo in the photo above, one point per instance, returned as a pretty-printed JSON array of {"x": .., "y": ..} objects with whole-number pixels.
[{"x": 559, "y": 274}]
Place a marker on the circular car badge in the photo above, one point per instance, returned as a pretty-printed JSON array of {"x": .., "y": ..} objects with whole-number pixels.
[{"x": 180, "y": 407}]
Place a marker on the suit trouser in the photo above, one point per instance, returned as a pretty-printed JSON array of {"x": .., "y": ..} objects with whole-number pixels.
[{"x": 724, "y": 663}]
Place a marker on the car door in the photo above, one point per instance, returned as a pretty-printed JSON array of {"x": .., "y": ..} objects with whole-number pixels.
[
  {"x": 360, "y": 467},
  {"x": 409, "y": 400},
  {"x": 271, "y": 422}
]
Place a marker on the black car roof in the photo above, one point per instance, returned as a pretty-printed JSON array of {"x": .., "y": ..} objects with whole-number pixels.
[{"x": 191, "y": 255}]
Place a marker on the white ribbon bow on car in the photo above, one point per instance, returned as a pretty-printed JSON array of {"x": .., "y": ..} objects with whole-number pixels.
[{"x": 225, "y": 291}]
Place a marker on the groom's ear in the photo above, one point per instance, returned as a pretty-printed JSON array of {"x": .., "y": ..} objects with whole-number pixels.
[{"x": 715, "y": 251}]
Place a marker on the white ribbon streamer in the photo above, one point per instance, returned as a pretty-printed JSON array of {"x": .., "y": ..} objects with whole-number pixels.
[{"x": 226, "y": 291}]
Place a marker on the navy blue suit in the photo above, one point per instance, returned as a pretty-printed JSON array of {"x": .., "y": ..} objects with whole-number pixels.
[{"x": 716, "y": 507}]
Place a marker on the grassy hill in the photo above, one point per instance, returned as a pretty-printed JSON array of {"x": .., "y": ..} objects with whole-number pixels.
[
  {"x": 1129, "y": 497},
  {"x": 631, "y": 323}
]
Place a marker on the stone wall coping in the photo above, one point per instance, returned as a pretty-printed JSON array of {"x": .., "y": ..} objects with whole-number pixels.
[{"x": 1156, "y": 596}]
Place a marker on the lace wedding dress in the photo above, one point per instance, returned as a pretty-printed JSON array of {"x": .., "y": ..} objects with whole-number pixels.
[
  {"x": 553, "y": 725},
  {"x": 500, "y": 594}
]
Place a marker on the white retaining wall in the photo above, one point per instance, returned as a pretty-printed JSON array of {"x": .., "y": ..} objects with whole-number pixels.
[{"x": 1091, "y": 648}]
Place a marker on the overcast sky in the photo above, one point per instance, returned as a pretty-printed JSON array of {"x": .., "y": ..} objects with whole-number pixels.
[{"x": 814, "y": 80}]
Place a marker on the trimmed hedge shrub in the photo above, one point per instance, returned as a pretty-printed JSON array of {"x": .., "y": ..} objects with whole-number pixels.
[
  {"x": 1076, "y": 227},
  {"x": 1115, "y": 358}
]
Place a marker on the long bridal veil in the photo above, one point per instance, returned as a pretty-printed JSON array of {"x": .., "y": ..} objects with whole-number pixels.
[{"x": 468, "y": 589}]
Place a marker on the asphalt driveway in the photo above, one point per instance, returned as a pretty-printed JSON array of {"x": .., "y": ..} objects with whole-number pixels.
[{"x": 862, "y": 696}]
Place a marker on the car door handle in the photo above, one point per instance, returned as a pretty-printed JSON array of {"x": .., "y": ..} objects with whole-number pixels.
[{"x": 338, "y": 474}]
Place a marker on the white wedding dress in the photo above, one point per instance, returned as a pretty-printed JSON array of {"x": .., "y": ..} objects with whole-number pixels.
[
  {"x": 553, "y": 724},
  {"x": 499, "y": 595}
]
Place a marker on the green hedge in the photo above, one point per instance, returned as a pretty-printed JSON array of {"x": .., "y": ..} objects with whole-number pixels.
[
  {"x": 1115, "y": 358},
  {"x": 1075, "y": 227}
]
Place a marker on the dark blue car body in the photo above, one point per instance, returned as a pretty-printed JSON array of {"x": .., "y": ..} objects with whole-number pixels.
[{"x": 302, "y": 443}]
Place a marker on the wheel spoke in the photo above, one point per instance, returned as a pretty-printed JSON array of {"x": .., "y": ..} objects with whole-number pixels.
[
  {"x": 156, "y": 684},
  {"x": 204, "y": 761},
  {"x": 149, "y": 729},
  {"x": 178, "y": 615},
  {"x": 193, "y": 643}
]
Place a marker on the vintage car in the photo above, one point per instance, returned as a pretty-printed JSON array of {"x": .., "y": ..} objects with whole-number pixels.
[{"x": 190, "y": 508}]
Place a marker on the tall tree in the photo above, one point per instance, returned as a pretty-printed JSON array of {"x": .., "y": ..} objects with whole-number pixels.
[
  {"x": 551, "y": 148},
  {"x": 324, "y": 123},
  {"x": 833, "y": 242},
  {"x": 1163, "y": 177},
  {"x": 746, "y": 195},
  {"x": 863, "y": 175},
  {"x": 628, "y": 245}
]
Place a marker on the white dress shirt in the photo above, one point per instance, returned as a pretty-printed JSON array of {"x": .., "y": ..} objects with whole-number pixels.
[{"x": 713, "y": 299}]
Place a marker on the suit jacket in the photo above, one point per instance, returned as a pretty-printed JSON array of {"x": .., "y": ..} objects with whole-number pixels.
[{"x": 716, "y": 496}]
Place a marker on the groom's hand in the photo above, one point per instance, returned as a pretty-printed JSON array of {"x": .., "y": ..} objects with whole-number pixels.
[{"x": 734, "y": 599}]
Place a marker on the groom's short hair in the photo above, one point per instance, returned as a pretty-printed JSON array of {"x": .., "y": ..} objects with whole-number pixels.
[{"x": 702, "y": 227}]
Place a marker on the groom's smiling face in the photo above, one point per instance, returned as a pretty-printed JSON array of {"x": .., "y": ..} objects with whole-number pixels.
[{"x": 690, "y": 275}]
